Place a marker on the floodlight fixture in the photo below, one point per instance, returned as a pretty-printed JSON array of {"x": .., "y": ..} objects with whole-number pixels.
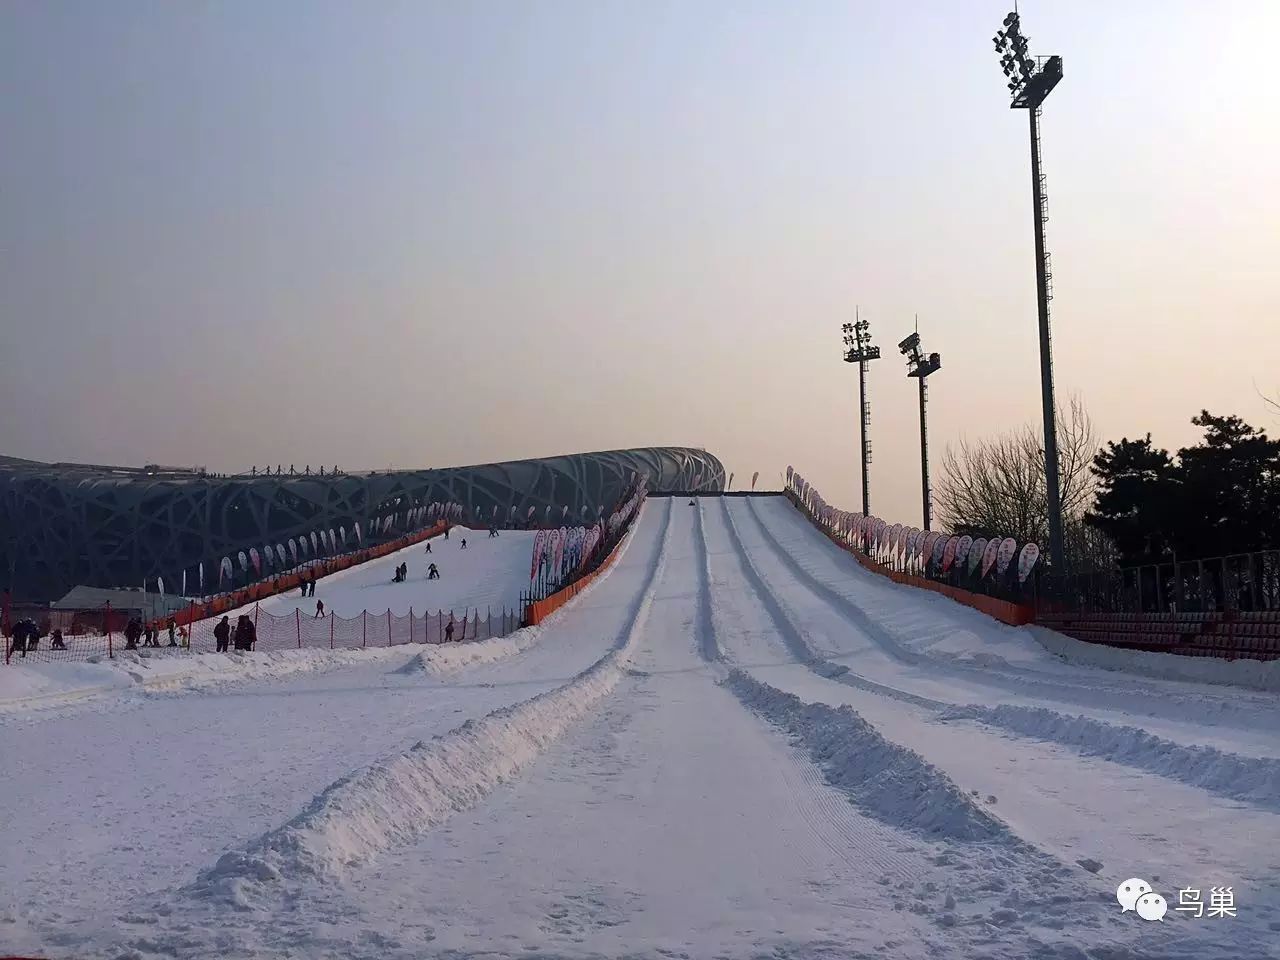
[
  {"x": 921, "y": 365},
  {"x": 1037, "y": 78},
  {"x": 862, "y": 351}
]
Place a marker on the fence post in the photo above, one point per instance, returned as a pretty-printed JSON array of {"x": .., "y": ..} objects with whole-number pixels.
[
  {"x": 111, "y": 655},
  {"x": 255, "y": 616},
  {"x": 388, "y": 626},
  {"x": 364, "y": 628},
  {"x": 330, "y": 629},
  {"x": 297, "y": 625},
  {"x": 411, "y": 625},
  {"x": 439, "y": 625}
]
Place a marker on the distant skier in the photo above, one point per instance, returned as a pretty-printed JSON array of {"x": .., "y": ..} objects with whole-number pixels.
[
  {"x": 428, "y": 550},
  {"x": 493, "y": 532},
  {"x": 173, "y": 632},
  {"x": 304, "y": 586},
  {"x": 222, "y": 633},
  {"x": 446, "y": 533},
  {"x": 448, "y": 630},
  {"x": 319, "y": 608},
  {"x": 57, "y": 640},
  {"x": 432, "y": 572},
  {"x": 464, "y": 543}
]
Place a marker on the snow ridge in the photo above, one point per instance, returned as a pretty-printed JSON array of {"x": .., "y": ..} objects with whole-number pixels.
[
  {"x": 1251, "y": 779},
  {"x": 889, "y": 781},
  {"x": 394, "y": 800}
]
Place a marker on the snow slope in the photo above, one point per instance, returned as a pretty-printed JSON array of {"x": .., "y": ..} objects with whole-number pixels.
[
  {"x": 491, "y": 572},
  {"x": 734, "y": 745}
]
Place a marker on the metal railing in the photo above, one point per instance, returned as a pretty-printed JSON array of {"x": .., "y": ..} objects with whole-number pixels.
[{"x": 1243, "y": 583}]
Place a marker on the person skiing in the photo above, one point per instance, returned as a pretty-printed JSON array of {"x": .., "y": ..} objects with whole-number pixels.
[
  {"x": 493, "y": 532},
  {"x": 132, "y": 631},
  {"x": 446, "y": 533},
  {"x": 57, "y": 643},
  {"x": 222, "y": 633},
  {"x": 464, "y": 543},
  {"x": 432, "y": 572},
  {"x": 173, "y": 632},
  {"x": 428, "y": 546},
  {"x": 319, "y": 608},
  {"x": 448, "y": 630}
]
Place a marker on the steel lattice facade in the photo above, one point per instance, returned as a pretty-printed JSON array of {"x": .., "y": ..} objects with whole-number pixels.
[{"x": 114, "y": 527}]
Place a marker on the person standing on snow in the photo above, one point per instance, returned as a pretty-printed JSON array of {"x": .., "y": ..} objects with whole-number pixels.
[
  {"x": 432, "y": 572},
  {"x": 428, "y": 550},
  {"x": 222, "y": 633},
  {"x": 319, "y": 608},
  {"x": 464, "y": 543}
]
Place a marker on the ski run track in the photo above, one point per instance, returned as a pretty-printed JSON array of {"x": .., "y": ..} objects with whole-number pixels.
[{"x": 736, "y": 744}]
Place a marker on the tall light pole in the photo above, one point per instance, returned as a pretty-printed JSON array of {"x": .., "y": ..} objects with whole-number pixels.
[
  {"x": 857, "y": 337},
  {"x": 920, "y": 365},
  {"x": 1030, "y": 82}
]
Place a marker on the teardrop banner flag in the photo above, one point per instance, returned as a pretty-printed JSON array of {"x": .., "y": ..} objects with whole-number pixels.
[
  {"x": 730, "y": 486},
  {"x": 926, "y": 551},
  {"x": 962, "y": 550},
  {"x": 939, "y": 546},
  {"x": 201, "y": 575},
  {"x": 1026, "y": 560},
  {"x": 949, "y": 553},
  {"x": 1008, "y": 548},
  {"x": 975, "y": 553},
  {"x": 244, "y": 561},
  {"x": 756, "y": 476},
  {"x": 253, "y": 556},
  {"x": 989, "y": 555}
]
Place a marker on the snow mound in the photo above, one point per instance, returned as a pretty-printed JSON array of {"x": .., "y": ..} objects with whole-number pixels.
[
  {"x": 1252, "y": 779},
  {"x": 1253, "y": 674},
  {"x": 888, "y": 781},
  {"x": 25, "y": 687},
  {"x": 394, "y": 800},
  {"x": 443, "y": 659}
]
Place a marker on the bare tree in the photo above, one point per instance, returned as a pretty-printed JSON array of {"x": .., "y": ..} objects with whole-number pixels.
[{"x": 997, "y": 486}]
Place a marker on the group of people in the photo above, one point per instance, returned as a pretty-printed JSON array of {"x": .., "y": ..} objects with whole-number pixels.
[
  {"x": 308, "y": 586},
  {"x": 148, "y": 632},
  {"x": 402, "y": 573},
  {"x": 26, "y": 637},
  {"x": 244, "y": 637}
]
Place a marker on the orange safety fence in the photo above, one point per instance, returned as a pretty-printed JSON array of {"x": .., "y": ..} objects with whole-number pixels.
[
  {"x": 293, "y": 631},
  {"x": 539, "y": 610}
]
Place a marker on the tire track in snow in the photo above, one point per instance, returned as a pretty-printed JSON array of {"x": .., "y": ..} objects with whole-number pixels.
[
  {"x": 1253, "y": 780},
  {"x": 855, "y": 840},
  {"x": 393, "y": 801}
]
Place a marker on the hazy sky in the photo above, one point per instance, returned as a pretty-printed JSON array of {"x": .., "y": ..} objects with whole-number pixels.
[{"x": 427, "y": 234}]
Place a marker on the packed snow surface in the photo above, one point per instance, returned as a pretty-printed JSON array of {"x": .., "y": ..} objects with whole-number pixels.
[
  {"x": 490, "y": 572},
  {"x": 738, "y": 743}
]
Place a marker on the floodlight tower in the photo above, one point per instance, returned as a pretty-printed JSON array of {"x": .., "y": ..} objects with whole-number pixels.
[
  {"x": 857, "y": 338},
  {"x": 1030, "y": 82},
  {"x": 920, "y": 365}
]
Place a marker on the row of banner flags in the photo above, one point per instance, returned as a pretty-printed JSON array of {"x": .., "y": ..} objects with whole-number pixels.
[
  {"x": 754, "y": 477},
  {"x": 309, "y": 546},
  {"x": 930, "y": 548},
  {"x": 560, "y": 553}
]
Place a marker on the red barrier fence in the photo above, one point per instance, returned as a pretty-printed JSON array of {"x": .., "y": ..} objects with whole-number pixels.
[{"x": 298, "y": 631}]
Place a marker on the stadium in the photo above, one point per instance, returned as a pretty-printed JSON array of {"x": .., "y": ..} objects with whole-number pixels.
[{"x": 108, "y": 526}]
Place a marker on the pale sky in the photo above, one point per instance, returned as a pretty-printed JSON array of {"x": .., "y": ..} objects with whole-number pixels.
[{"x": 427, "y": 234}]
